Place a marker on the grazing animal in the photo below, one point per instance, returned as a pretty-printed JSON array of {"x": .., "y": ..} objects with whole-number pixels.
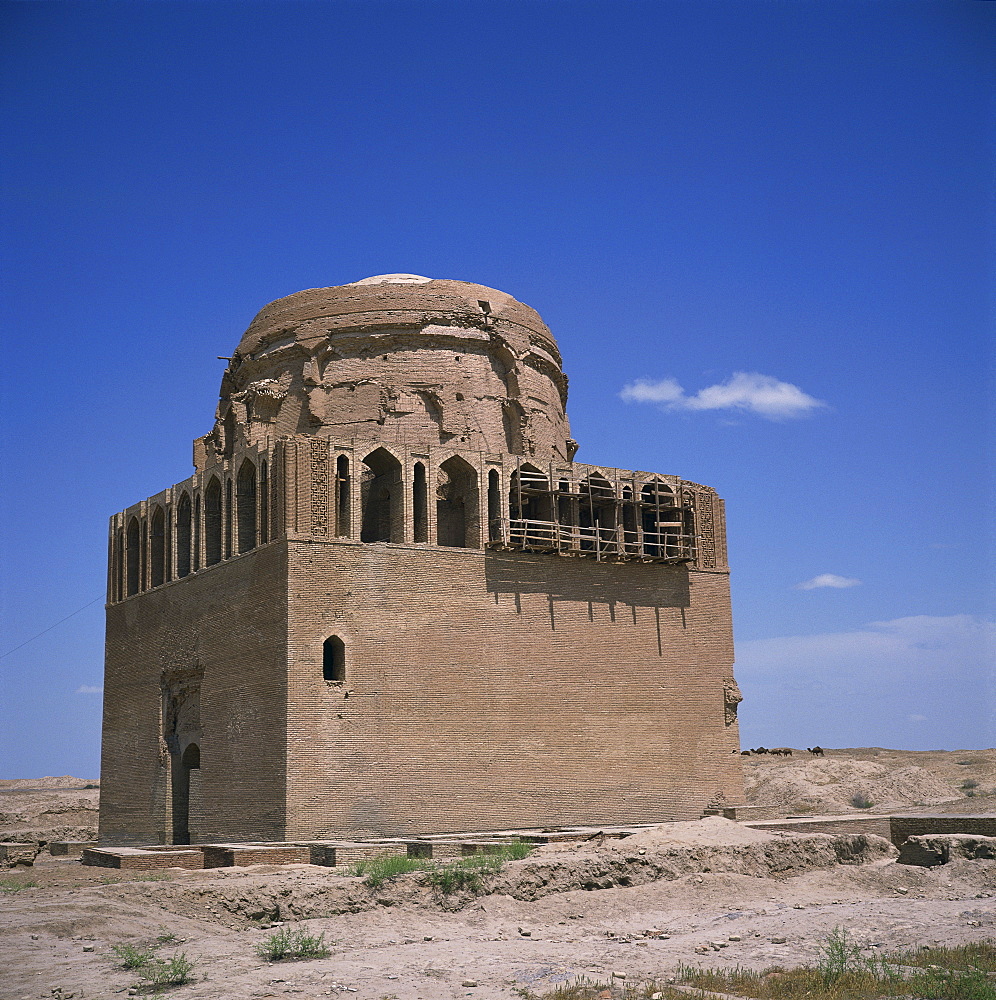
[
  {"x": 782, "y": 751},
  {"x": 815, "y": 751},
  {"x": 745, "y": 753},
  {"x": 760, "y": 750}
]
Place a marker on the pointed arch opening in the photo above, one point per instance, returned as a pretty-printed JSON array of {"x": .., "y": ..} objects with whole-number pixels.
[
  {"x": 133, "y": 557},
  {"x": 264, "y": 502},
  {"x": 531, "y": 508},
  {"x": 660, "y": 520},
  {"x": 183, "y": 536},
  {"x": 212, "y": 522},
  {"x": 229, "y": 528},
  {"x": 342, "y": 497},
  {"x": 157, "y": 548},
  {"x": 597, "y": 513},
  {"x": 457, "y": 518},
  {"x": 196, "y": 558},
  {"x": 494, "y": 506},
  {"x": 382, "y": 499},
  {"x": 246, "y": 507},
  {"x": 420, "y": 503}
]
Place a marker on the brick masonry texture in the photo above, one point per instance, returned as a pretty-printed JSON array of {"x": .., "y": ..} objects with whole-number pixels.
[{"x": 388, "y": 603}]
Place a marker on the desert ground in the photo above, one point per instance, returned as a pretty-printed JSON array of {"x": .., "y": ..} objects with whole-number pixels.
[{"x": 710, "y": 892}]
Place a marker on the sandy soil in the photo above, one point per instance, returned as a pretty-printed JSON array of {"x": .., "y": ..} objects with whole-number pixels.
[{"x": 636, "y": 906}]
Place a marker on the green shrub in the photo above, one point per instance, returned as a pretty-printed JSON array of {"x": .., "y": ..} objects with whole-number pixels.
[
  {"x": 861, "y": 801},
  {"x": 467, "y": 874},
  {"x": 288, "y": 944},
  {"x": 131, "y": 957},
  {"x": 160, "y": 972}
]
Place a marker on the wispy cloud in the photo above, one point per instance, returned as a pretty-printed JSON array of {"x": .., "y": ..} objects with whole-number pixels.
[
  {"x": 752, "y": 392},
  {"x": 866, "y": 686},
  {"x": 89, "y": 689},
  {"x": 828, "y": 580}
]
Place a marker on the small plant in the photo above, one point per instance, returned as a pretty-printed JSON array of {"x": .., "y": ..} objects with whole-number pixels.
[
  {"x": 968, "y": 786},
  {"x": 160, "y": 972},
  {"x": 16, "y": 884},
  {"x": 518, "y": 850},
  {"x": 838, "y": 957},
  {"x": 167, "y": 937},
  {"x": 861, "y": 801},
  {"x": 288, "y": 944},
  {"x": 131, "y": 957},
  {"x": 377, "y": 871}
]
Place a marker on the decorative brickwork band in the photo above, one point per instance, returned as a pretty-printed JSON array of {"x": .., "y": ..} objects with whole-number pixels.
[
  {"x": 319, "y": 486},
  {"x": 707, "y": 531}
]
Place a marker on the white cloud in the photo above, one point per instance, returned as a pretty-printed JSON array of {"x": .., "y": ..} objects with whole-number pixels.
[
  {"x": 828, "y": 580},
  {"x": 89, "y": 689},
  {"x": 762, "y": 395},
  {"x": 867, "y": 686}
]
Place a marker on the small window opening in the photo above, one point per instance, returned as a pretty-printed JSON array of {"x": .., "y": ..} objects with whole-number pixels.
[{"x": 334, "y": 660}]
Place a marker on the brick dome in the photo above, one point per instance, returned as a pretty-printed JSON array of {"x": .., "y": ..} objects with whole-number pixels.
[{"x": 399, "y": 357}]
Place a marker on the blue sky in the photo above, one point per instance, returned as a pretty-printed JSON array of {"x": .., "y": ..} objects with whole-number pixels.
[{"x": 761, "y": 232}]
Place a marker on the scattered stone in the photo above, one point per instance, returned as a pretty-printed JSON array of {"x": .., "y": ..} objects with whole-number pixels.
[
  {"x": 525, "y": 933},
  {"x": 735, "y": 937},
  {"x": 778, "y": 940},
  {"x": 88, "y": 947},
  {"x": 902, "y": 890},
  {"x": 469, "y": 983}
]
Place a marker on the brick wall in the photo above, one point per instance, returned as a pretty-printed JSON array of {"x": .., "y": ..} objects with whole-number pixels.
[
  {"x": 487, "y": 690},
  {"x": 222, "y": 630}
]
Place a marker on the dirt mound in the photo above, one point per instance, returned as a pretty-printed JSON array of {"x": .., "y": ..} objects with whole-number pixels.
[
  {"x": 712, "y": 845},
  {"x": 66, "y": 781},
  {"x": 716, "y": 845},
  {"x": 828, "y": 785},
  {"x": 41, "y": 813}
]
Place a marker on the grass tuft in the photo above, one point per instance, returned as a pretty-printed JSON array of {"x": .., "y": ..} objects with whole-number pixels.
[
  {"x": 467, "y": 874},
  {"x": 16, "y": 884},
  {"x": 841, "y": 973},
  {"x": 377, "y": 871},
  {"x": 462, "y": 874},
  {"x": 861, "y": 801},
  {"x": 290, "y": 945}
]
